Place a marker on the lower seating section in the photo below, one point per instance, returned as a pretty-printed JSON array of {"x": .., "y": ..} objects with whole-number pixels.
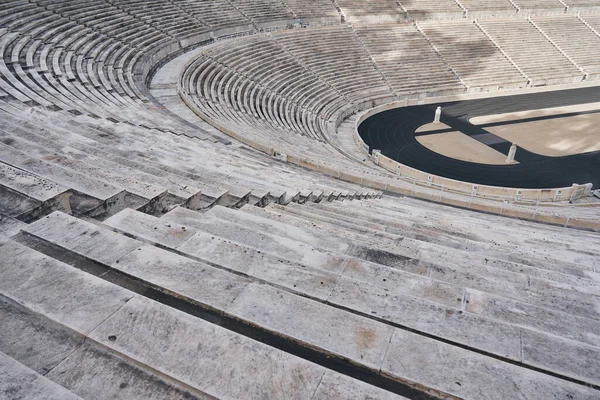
[
  {"x": 400, "y": 290},
  {"x": 535, "y": 55},
  {"x": 56, "y": 308},
  {"x": 472, "y": 55},
  {"x": 407, "y": 59}
]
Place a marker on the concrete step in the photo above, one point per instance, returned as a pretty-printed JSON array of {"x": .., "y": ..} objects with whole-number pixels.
[
  {"x": 473, "y": 232},
  {"x": 44, "y": 195},
  {"x": 10, "y": 226},
  {"x": 264, "y": 234},
  {"x": 19, "y": 382},
  {"x": 252, "y": 305},
  {"x": 200, "y": 284},
  {"x": 227, "y": 254},
  {"x": 390, "y": 251},
  {"x": 82, "y": 367},
  {"x": 159, "y": 337},
  {"x": 465, "y": 250},
  {"x": 488, "y": 335}
]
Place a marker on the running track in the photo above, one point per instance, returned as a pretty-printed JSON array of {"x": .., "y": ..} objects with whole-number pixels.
[{"x": 393, "y": 132}]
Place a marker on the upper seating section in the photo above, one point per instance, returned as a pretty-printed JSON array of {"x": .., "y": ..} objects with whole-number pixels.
[
  {"x": 213, "y": 13},
  {"x": 582, "y": 5},
  {"x": 472, "y": 55},
  {"x": 575, "y": 39},
  {"x": 371, "y": 11},
  {"x": 287, "y": 92},
  {"x": 335, "y": 55},
  {"x": 535, "y": 55},
  {"x": 162, "y": 15},
  {"x": 432, "y": 9},
  {"x": 540, "y": 6},
  {"x": 262, "y": 11},
  {"x": 407, "y": 59},
  {"x": 313, "y": 9},
  {"x": 91, "y": 59},
  {"x": 488, "y": 8},
  {"x": 592, "y": 21}
]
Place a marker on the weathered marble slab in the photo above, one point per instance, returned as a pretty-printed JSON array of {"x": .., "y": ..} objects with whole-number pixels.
[
  {"x": 469, "y": 375},
  {"x": 32, "y": 339},
  {"x": 82, "y": 237},
  {"x": 185, "y": 277},
  {"x": 19, "y": 382},
  {"x": 10, "y": 226},
  {"x": 150, "y": 229},
  {"x": 62, "y": 293},
  {"x": 337, "y": 386},
  {"x": 93, "y": 372},
  {"x": 546, "y": 320},
  {"x": 212, "y": 359},
  {"x": 328, "y": 329},
  {"x": 29, "y": 184},
  {"x": 431, "y": 318},
  {"x": 279, "y": 246},
  {"x": 563, "y": 356},
  {"x": 255, "y": 263}
]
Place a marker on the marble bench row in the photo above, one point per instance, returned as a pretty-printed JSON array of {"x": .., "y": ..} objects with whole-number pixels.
[
  {"x": 407, "y": 60},
  {"x": 203, "y": 284},
  {"x": 93, "y": 166},
  {"x": 102, "y": 345},
  {"x": 386, "y": 11}
]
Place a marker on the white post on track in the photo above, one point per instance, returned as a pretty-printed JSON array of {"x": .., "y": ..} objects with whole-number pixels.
[
  {"x": 511, "y": 154},
  {"x": 438, "y": 115}
]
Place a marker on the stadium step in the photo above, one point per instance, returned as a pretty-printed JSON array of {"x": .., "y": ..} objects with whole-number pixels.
[
  {"x": 432, "y": 231},
  {"x": 33, "y": 196},
  {"x": 395, "y": 252},
  {"x": 20, "y": 382},
  {"x": 127, "y": 324},
  {"x": 346, "y": 290},
  {"x": 161, "y": 270}
]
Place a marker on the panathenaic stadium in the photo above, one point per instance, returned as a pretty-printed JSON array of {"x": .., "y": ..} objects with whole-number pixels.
[{"x": 300, "y": 199}]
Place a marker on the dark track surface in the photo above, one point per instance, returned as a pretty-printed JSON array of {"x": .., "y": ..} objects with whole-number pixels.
[{"x": 393, "y": 132}]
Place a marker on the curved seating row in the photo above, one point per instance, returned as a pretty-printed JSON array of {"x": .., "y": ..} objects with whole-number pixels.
[
  {"x": 187, "y": 294},
  {"x": 574, "y": 38},
  {"x": 84, "y": 59},
  {"x": 532, "y": 52},
  {"x": 472, "y": 55},
  {"x": 320, "y": 73},
  {"x": 334, "y": 54}
]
